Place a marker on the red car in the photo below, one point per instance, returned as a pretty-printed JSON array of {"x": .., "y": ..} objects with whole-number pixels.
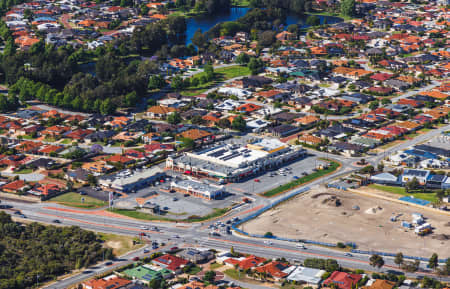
[
  {"x": 136, "y": 259},
  {"x": 257, "y": 180}
]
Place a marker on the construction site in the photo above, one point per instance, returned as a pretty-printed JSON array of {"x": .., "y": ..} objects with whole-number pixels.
[{"x": 330, "y": 215}]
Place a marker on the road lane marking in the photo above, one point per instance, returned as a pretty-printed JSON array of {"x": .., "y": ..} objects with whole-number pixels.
[{"x": 102, "y": 225}]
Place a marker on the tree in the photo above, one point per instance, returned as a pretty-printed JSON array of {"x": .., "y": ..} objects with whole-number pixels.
[
  {"x": 447, "y": 267},
  {"x": 107, "y": 107},
  {"x": 199, "y": 39},
  {"x": 156, "y": 82},
  {"x": 399, "y": 258},
  {"x": 224, "y": 123},
  {"x": 266, "y": 38},
  {"x": 177, "y": 83},
  {"x": 187, "y": 142},
  {"x": 313, "y": 20},
  {"x": 242, "y": 58},
  {"x": 92, "y": 180},
  {"x": 376, "y": 261},
  {"x": 239, "y": 123},
  {"x": 412, "y": 184},
  {"x": 374, "y": 104},
  {"x": 209, "y": 276},
  {"x": 255, "y": 65},
  {"x": 209, "y": 72},
  {"x": 433, "y": 261},
  {"x": 380, "y": 167},
  {"x": 293, "y": 28},
  {"x": 174, "y": 118},
  {"x": 348, "y": 7},
  {"x": 268, "y": 235}
]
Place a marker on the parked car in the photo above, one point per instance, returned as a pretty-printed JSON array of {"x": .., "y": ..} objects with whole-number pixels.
[
  {"x": 135, "y": 258},
  {"x": 56, "y": 221}
]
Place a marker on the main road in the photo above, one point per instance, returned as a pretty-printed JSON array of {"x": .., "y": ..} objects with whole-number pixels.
[{"x": 197, "y": 234}]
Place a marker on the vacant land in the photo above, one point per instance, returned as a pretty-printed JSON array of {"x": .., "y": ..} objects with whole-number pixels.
[
  {"x": 78, "y": 201},
  {"x": 119, "y": 243},
  {"x": 335, "y": 216}
]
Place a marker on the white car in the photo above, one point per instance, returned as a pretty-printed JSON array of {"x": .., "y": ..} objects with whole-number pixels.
[
  {"x": 144, "y": 228},
  {"x": 268, "y": 242}
]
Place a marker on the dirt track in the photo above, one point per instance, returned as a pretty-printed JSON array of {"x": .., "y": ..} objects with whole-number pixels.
[{"x": 316, "y": 216}]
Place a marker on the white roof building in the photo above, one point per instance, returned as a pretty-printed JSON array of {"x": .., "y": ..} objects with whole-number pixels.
[{"x": 308, "y": 275}]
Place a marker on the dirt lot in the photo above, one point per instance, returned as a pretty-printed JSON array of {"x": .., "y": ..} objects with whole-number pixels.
[{"x": 335, "y": 216}]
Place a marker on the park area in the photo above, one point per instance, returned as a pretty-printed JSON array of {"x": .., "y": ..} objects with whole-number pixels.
[
  {"x": 332, "y": 216},
  {"x": 78, "y": 201},
  {"x": 220, "y": 75}
]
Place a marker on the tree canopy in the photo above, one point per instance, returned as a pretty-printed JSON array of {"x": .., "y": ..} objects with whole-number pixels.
[{"x": 34, "y": 250}]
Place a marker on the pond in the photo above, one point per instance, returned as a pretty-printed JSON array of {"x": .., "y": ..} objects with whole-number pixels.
[{"x": 207, "y": 22}]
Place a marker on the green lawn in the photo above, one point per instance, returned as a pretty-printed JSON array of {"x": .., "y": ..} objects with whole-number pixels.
[
  {"x": 191, "y": 219},
  {"x": 194, "y": 270},
  {"x": 215, "y": 266},
  {"x": 24, "y": 171},
  {"x": 221, "y": 74},
  {"x": 74, "y": 200},
  {"x": 333, "y": 166},
  {"x": 66, "y": 141},
  {"x": 27, "y": 136},
  {"x": 401, "y": 191},
  {"x": 240, "y": 3}
]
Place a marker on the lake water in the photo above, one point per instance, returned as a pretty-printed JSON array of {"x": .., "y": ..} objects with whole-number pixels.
[{"x": 207, "y": 22}]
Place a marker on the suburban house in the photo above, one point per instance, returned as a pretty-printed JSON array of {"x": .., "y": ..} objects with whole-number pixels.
[{"x": 342, "y": 280}]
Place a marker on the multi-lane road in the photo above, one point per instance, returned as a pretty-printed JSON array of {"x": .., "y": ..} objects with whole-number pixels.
[{"x": 189, "y": 234}]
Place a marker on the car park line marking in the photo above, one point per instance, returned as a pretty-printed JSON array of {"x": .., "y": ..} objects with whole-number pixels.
[{"x": 102, "y": 225}]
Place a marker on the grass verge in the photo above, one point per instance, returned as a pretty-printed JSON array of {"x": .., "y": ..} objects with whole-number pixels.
[
  {"x": 303, "y": 180},
  {"x": 191, "y": 219},
  {"x": 430, "y": 196},
  {"x": 24, "y": 171},
  {"x": 74, "y": 200}
]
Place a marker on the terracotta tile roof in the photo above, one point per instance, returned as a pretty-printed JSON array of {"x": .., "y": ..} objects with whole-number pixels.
[
  {"x": 170, "y": 262},
  {"x": 274, "y": 268},
  {"x": 343, "y": 280},
  {"x": 195, "y": 134},
  {"x": 380, "y": 284},
  {"x": 112, "y": 282},
  {"x": 309, "y": 119},
  {"x": 161, "y": 110}
]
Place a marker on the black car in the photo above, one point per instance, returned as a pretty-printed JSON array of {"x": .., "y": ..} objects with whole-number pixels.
[{"x": 56, "y": 221}]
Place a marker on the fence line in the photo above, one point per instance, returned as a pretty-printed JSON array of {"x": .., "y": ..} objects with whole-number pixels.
[{"x": 293, "y": 194}]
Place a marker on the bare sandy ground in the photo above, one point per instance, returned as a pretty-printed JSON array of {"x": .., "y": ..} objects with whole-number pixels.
[{"x": 359, "y": 219}]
